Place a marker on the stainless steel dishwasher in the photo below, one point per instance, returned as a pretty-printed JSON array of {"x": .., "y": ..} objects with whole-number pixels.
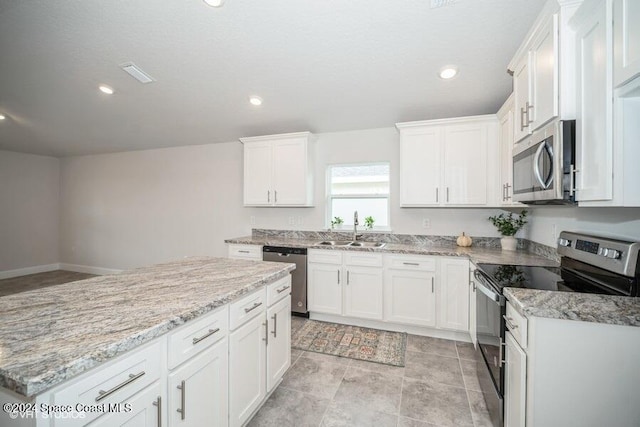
[{"x": 297, "y": 256}]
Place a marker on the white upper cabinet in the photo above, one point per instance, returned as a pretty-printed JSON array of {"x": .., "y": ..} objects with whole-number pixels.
[
  {"x": 594, "y": 126},
  {"x": 607, "y": 125},
  {"x": 543, "y": 71},
  {"x": 626, "y": 36},
  {"x": 278, "y": 170},
  {"x": 506, "y": 120},
  {"x": 449, "y": 162}
]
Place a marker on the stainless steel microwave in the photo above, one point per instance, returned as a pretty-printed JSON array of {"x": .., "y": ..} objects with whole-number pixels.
[{"x": 543, "y": 165}]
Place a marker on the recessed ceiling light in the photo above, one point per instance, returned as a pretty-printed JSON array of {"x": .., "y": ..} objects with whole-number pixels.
[
  {"x": 105, "y": 89},
  {"x": 214, "y": 3},
  {"x": 2, "y": 117},
  {"x": 255, "y": 100},
  {"x": 448, "y": 72}
]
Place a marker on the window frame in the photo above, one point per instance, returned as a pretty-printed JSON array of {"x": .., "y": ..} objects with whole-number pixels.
[{"x": 330, "y": 197}]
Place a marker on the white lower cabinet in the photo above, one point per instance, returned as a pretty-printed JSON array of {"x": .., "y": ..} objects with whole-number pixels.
[
  {"x": 409, "y": 291},
  {"x": 473, "y": 312},
  {"x": 453, "y": 304},
  {"x": 345, "y": 283},
  {"x": 198, "y": 389},
  {"x": 515, "y": 383},
  {"x": 279, "y": 341},
  {"x": 144, "y": 409},
  {"x": 363, "y": 292}
]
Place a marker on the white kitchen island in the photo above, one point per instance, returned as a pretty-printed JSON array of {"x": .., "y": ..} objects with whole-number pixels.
[{"x": 152, "y": 346}]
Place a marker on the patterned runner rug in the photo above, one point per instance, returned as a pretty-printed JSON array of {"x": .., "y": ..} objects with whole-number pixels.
[{"x": 354, "y": 342}]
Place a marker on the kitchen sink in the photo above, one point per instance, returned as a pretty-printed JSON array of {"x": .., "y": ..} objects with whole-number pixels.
[{"x": 351, "y": 243}]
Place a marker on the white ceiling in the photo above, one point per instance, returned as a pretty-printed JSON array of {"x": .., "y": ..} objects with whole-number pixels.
[{"x": 321, "y": 66}]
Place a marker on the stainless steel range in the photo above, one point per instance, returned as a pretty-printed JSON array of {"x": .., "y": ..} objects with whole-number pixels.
[{"x": 588, "y": 264}]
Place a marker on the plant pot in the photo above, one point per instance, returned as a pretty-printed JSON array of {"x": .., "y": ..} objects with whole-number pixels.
[{"x": 508, "y": 243}]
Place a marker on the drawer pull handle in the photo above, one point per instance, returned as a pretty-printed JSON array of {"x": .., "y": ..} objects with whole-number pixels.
[
  {"x": 158, "y": 404},
  {"x": 208, "y": 334},
  {"x": 275, "y": 322},
  {"x": 282, "y": 289},
  {"x": 103, "y": 394},
  {"x": 183, "y": 393},
  {"x": 244, "y": 252},
  {"x": 411, "y": 263},
  {"x": 509, "y": 322},
  {"x": 253, "y": 307}
]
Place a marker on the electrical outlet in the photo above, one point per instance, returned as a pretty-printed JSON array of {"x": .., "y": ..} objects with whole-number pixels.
[
  {"x": 300, "y": 220},
  {"x": 252, "y": 220},
  {"x": 426, "y": 223},
  {"x": 554, "y": 232},
  {"x": 292, "y": 220}
]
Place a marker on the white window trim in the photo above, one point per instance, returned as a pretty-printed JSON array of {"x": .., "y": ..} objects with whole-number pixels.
[{"x": 330, "y": 197}]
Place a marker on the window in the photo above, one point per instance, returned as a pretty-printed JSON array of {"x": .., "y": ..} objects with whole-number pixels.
[{"x": 363, "y": 188}]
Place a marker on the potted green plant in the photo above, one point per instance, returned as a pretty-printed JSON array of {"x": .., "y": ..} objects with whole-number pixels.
[
  {"x": 368, "y": 222},
  {"x": 337, "y": 222},
  {"x": 508, "y": 226}
]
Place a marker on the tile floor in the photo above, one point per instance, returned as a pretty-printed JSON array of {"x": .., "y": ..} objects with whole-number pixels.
[
  {"x": 437, "y": 387},
  {"x": 39, "y": 280}
]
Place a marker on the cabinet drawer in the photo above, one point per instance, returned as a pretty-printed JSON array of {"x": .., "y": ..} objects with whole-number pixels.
[
  {"x": 278, "y": 290},
  {"x": 197, "y": 335},
  {"x": 325, "y": 256},
  {"x": 404, "y": 262},
  {"x": 517, "y": 324},
  {"x": 363, "y": 258},
  {"x": 245, "y": 252},
  {"x": 114, "y": 383},
  {"x": 247, "y": 308}
]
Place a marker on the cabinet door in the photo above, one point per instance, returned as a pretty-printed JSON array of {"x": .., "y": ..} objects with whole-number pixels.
[
  {"x": 515, "y": 383},
  {"x": 626, "y": 53},
  {"x": 473, "y": 330},
  {"x": 465, "y": 163},
  {"x": 594, "y": 131},
  {"x": 506, "y": 157},
  {"x": 145, "y": 410},
  {"x": 453, "y": 308},
  {"x": 198, "y": 389},
  {"x": 290, "y": 172},
  {"x": 257, "y": 174},
  {"x": 324, "y": 288},
  {"x": 279, "y": 343},
  {"x": 409, "y": 297},
  {"x": 521, "y": 90},
  {"x": 544, "y": 74},
  {"x": 363, "y": 292},
  {"x": 420, "y": 166},
  {"x": 247, "y": 369}
]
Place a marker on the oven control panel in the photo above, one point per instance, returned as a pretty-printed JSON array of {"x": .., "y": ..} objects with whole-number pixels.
[{"x": 587, "y": 246}]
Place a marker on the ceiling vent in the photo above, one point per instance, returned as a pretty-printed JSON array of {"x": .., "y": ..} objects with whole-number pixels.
[
  {"x": 137, "y": 73},
  {"x": 440, "y": 3}
]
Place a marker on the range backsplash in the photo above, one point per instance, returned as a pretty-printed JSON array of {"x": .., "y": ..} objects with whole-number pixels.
[{"x": 410, "y": 239}]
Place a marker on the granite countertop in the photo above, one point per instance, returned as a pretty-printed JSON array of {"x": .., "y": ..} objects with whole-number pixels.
[
  {"x": 475, "y": 254},
  {"x": 614, "y": 310},
  {"x": 50, "y": 335}
]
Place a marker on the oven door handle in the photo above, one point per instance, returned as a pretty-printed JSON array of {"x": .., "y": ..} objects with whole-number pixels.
[{"x": 494, "y": 296}]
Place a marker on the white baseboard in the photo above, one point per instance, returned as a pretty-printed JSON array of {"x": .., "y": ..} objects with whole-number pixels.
[
  {"x": 8, "y": 274},
  {"x": 88, "y": 269},
  {"x": 396, "y": 327}
]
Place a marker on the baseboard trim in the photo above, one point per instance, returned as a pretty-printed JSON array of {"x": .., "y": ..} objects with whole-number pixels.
[
  {"x": 88, "y": 269},
  {"x": 8, "y": 274},
  {"x": 395, "y": 327}
]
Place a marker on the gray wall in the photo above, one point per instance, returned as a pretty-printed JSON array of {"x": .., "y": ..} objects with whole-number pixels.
[{"x": 29, "y": 210}]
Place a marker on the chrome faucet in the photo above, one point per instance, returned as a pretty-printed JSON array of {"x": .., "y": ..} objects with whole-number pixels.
[{"x": 355, "y": 226}]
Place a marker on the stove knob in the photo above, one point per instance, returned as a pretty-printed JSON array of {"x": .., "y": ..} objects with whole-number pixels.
[
  {"x": 612, "y": 253},
  {"x": 564, "y": 242}
]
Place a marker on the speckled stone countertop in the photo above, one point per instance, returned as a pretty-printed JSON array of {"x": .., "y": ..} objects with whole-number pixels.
[
  {"x": 614, "y": 310},
  {"x": 50, "y": 335},
  {"x": 475, "y": 254}
]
